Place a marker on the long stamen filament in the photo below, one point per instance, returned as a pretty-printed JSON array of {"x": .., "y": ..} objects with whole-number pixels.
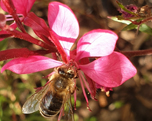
[
  {"x": 61, "y": 113},
  {"x": 86, "y": 84},
  {"x": 83, "y": 90}
]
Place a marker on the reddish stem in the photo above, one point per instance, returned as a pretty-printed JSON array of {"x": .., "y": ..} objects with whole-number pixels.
[
  {"x": 130, "y": 54},
  {"x": 140, "y": 22},
  {"x": 23, "y": 52}
]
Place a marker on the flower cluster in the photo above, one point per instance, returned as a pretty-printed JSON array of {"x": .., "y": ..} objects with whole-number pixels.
[{"x": 107, "y": 70}]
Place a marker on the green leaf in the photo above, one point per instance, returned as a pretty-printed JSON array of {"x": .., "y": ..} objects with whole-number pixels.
[
  {"x": 142, "y": 28},
  {"x": 115, "y": 18},
  {"x": 129, "y": 27},
  {"x": 145, "y": 28}
]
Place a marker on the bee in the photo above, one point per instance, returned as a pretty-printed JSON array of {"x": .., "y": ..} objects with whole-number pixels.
[{"x": 55, "y": 95}]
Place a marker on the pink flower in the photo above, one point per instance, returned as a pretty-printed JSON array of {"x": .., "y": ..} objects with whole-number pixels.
[
  {"x": 18, "y": 9},
  {"x": 109, "y": 69},
  {"x": 22, "y": 6}
]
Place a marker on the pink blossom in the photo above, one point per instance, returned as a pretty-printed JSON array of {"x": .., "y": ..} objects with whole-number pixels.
[
  {"x": 18, "y": 10},
  {"x": 109, "y": 69}
]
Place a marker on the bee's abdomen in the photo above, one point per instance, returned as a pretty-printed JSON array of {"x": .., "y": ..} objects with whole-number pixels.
[
  {"x": 56, "y": 104},
  {"x": 50, "y": 104}
]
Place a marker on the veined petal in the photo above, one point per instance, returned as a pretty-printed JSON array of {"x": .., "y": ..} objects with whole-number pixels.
[
  {"x": 22, "y": 6},
  {"x": 30, "y": 64},
  {"x": 64, "y": 23},
  {"x": 110, "y": 71},
  {"x": 96, "y": 43}
]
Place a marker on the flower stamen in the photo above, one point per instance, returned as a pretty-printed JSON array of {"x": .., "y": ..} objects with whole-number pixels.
[{"x": 83, "y": 90}]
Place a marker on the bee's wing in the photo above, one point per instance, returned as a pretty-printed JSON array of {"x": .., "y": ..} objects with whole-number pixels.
[
  {"x": 68, "y": 111},
  {"x": 32, "y": 103}
]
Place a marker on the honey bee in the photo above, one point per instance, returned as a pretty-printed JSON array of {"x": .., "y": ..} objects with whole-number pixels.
[{"x": 53, "y": 96}]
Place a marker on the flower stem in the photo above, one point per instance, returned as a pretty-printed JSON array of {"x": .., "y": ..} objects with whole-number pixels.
[
  {"x": 130, "y": 54},
  {"x": 140, "y": 22}
]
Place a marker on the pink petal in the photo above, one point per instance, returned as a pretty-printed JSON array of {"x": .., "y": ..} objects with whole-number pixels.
[
  {"x": 64, "y": 23},
  {"x": 92, "y": 87},
  {"x": 39, "y": 27},
  {"x": 96, "y": 43},
  {"x": 31, "y": 64},
  {"x": 37, "y": 24},
  {"x": 110, "y": 71},
  {"x": 22, "y": 6}
]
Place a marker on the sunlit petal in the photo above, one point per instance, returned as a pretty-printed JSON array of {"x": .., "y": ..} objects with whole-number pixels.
[
  {"x": 110, "y": 71},
  {"x": 31, "y": 64},
  {"x": 64, "y": 23},
  {"x": 96, "y": 43}
]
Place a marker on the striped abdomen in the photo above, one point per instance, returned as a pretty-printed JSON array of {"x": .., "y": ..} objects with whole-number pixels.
[{"x": 51, "y": 104}]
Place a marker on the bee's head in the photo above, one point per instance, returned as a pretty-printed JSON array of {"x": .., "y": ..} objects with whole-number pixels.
[{"x": 67, "y": 71}]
